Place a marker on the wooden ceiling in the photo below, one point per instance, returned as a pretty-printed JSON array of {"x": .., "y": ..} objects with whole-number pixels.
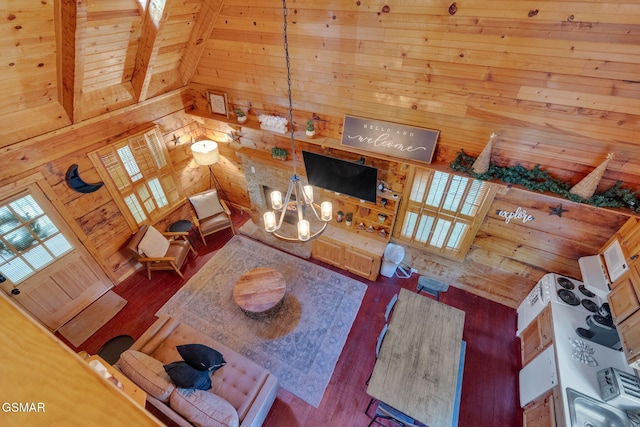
[
  {"x": 66, "y": 62},
  {"x": 558, "y": 81}
]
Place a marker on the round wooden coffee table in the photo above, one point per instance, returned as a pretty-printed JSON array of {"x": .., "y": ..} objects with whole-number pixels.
[{"x": 260, "y": 292}]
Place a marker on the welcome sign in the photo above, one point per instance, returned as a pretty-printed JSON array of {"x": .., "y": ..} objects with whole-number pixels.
[{"x": 392, "y": 139}]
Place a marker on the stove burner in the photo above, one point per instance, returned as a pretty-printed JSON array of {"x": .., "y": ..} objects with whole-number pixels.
[
  {"x": 568, "y": 297},
  {"x": 565, "y": 283},
  {"x": 590, "y": 305},
  {"x": 586, "y": 292}
]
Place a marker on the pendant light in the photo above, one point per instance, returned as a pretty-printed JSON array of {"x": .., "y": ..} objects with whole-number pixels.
[{"x": 302, "y": 194}]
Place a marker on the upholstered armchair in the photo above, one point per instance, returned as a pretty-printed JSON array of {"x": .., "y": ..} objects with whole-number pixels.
[
  {"x": 159, "y": 251},
  {"x": 210, "y": 214}
]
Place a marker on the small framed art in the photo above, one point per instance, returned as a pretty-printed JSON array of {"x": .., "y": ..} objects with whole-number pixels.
[{"x": 218, "y": 103}]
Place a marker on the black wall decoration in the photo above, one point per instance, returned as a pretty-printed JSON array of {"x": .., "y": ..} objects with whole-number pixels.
[{"x": 78, "y": 184}]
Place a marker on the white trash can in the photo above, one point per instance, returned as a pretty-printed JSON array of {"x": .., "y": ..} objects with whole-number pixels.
[{"x": 393, "y": 256}]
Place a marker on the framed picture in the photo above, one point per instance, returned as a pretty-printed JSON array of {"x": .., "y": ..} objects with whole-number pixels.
[{"x": 218, "y": 103}]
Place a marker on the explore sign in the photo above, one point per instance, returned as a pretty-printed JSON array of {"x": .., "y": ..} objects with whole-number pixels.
[{"x": 390, "y": 138}]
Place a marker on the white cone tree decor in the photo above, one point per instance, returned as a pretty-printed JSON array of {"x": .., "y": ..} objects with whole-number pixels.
[
  {"x": 481, "y": 164},
  {"x": 588, "y": 185}
]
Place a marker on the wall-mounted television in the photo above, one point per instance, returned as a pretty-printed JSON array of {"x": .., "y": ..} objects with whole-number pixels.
[{"x": 342, "y": 176}]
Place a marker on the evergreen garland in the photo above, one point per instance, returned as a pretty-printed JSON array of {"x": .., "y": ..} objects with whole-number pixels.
[{"x": 538, "y": 180}]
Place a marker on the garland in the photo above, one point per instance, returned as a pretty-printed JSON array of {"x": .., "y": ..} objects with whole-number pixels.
[{"x": 538, "y": 180}]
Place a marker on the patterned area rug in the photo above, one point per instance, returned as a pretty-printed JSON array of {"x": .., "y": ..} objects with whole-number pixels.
[
  {"x": 302, "y": 342},
  {"x": 302, "y": 250}
]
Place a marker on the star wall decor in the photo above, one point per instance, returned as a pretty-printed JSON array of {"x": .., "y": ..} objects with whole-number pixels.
[{"x": 557, "y": 210}]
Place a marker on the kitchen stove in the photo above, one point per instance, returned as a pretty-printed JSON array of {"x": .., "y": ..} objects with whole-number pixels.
[
  {"x": 564, "y": 290},
  {"x": 574, "y": 293}
]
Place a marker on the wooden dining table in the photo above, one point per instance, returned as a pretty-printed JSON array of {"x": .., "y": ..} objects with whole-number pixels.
[{"x": 417, "y": 367}]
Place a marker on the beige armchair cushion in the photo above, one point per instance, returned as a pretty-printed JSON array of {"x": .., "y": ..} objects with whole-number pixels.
[
  {"x": 153, "y": 244},
  {"x": 206, "y": 204}
]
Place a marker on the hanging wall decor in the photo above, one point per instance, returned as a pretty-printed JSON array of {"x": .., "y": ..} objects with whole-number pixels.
[
  {"x": 557, "y": 210},
  {"x": 519, "y": 213},
  {"x": 75, "y": 182},
  {"x": 392, "y": 139}
]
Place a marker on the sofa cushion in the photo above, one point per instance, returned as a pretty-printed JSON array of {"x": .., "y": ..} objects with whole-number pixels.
[
  {"x": 238, "y": 382},
  {"x": 201, "y": 357},
  {"x": 206, "y": 204},
  {"x": 185, "y": 376},
  {"x": 203, "y": 408},
  {"x": 153, "y": 244},
  {"x": 148, "y": 373}
]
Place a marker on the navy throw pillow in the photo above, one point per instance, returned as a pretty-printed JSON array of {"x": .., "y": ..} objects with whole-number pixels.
[
  {"x": 201, "y": 357},
  {"x": 185, "y": 376}
]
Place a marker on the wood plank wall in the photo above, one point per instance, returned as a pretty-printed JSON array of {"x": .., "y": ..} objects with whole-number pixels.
[
  {"x": 557, "y": 81},
  {"x": 95, "y": 216},
  {"x": 505, "y": 260}
]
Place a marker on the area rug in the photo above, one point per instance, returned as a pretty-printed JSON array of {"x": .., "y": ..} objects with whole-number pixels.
[
  {"x": 302, "y": 342},
  {"x": 92, "y": 318},
  {"x": 300, "y": 249}
]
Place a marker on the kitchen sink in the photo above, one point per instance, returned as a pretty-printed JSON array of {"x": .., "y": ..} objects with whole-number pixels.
[{"x": 588, "y": 412}]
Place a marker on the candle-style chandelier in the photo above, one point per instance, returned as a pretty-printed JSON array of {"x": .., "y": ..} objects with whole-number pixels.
[{"x": 303, "y": 195}]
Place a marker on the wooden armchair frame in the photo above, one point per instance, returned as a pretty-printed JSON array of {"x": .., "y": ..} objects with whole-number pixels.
[
  {"x": 213, "y": 223},
  {"x": 174, "y": 258}
]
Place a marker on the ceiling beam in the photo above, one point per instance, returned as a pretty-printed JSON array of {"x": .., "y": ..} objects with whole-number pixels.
[
  {"x": 155, "y": 17},
  {"x": 70, "y": 24},
  {"x": 201, "y": 32}
]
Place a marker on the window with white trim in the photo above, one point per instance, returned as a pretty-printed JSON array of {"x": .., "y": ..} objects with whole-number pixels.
[
  {"x": 29, "y": 240},
  {"x": 443, "y": 211},
  {"x": 139, "y": 175}
]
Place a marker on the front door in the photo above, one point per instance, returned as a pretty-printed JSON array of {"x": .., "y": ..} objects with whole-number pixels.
[{"x": 43, "y": 267}]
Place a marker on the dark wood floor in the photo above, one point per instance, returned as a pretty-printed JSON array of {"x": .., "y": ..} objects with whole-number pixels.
[{"x": 489, "y": 390}]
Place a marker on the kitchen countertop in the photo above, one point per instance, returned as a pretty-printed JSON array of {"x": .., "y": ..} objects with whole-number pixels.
[{"x": 572, "y": 373}]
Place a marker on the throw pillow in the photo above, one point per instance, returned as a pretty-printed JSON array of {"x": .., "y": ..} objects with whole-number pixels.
[
  {"x": 206, "y": 204},
  {"x": 185, "y": 376},
  {"x": 148, "y": 373},
  {"x": 201, "y": 357},
  {"x": 202, "y": 408},
  {"x": 153, "y": 244}
]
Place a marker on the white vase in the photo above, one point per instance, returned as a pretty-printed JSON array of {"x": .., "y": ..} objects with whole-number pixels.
[
  {"x": 310, "y": 133},
  {"x": 242, "y": 119}
]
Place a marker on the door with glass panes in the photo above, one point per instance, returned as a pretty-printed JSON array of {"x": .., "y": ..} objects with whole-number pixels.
[{"x": 42, "y": 266}]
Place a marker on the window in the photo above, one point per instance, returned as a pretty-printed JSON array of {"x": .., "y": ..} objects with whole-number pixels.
[
  {"x": 29, "y": 240},
  {"x": 139, "y": 175},
  {"x": 443, "y": 212}
]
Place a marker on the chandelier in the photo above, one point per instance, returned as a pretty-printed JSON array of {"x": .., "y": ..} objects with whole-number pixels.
[{"x": 302, "y": 194}]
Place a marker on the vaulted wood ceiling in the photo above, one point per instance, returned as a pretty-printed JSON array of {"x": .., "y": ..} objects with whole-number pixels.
[
  {"x": 68, "y": 61},
  {"x": 558, "y": 81}
]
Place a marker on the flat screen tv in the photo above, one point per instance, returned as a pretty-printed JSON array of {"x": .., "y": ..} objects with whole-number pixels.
[{"x": 353, "y": 179}]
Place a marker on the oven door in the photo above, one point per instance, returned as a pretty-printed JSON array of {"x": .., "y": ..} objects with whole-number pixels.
[{"x": 538, "y": 377}]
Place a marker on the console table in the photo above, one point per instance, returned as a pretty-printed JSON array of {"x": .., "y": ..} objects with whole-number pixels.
[{"x": 353, "y": 252}]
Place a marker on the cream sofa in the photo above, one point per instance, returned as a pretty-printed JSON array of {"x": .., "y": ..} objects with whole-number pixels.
[{"x": 249, "y": 388}]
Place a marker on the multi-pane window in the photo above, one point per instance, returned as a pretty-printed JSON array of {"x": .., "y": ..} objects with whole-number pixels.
[
  {"x": 29, "y": 240},
  {"x": 140, "y": 174},
  {"x": 443, "y": 211}
]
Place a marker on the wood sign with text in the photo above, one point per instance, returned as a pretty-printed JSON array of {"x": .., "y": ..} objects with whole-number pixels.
[{"x": 392, "y": 139}]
